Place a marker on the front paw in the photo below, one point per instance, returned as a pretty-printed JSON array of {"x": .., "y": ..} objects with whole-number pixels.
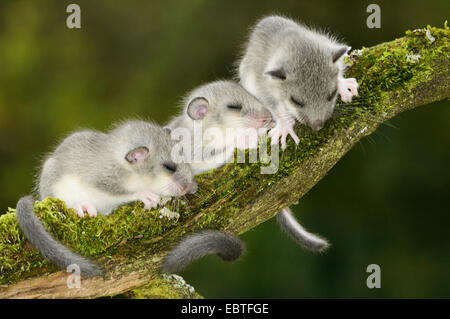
[
  {"x": 149, "y": 198},
  {"x": 347, "y": 88},
  {"x": 283, "y": 131}
]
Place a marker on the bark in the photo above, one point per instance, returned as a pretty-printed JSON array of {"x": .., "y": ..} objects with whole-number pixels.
[{"x": 236, "y": 197}]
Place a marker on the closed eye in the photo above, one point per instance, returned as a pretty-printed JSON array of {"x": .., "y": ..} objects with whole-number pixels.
[
  {"x": 234, "y": 107},
  {"x": 297, "y": 102},
  {"x": 171, "y": 167},
  {"x": 332, "y": 95}
]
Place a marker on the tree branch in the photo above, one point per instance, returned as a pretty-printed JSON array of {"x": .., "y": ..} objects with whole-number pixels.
[{"x": 131, "y": 243}]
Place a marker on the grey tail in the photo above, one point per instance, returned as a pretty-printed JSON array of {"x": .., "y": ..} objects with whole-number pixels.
[
  {"x": 49, "y": 247},
  {"x": 299, "y": 234},
  {"x": 228, "y": 247}
]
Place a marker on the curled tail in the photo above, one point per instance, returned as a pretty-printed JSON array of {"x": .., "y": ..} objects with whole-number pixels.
[
  {"x": 226, "y": 246},
  {"x": 49, "y": 247},
  {"x": 296, "y": 231}
]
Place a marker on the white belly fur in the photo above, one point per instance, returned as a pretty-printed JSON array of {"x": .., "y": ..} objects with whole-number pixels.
[{"x": 73, "y": 191}]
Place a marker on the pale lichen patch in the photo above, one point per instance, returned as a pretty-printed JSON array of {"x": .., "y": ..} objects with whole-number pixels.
[
  {"x": 413, "y": 58},
  {"x": 165, "y": 287},
  {"x": 167, "y": 213},
  {"x": 429, "y": 36}
]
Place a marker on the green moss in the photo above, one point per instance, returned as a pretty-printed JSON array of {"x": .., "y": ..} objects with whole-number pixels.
[
  {"x": 103, "y": 235},
  {"x": 15, "y": 253},
  {"x": 385, "y": 67}
]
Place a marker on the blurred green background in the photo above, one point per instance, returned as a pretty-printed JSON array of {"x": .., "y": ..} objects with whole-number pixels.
[{"x": 386, "y": 202}]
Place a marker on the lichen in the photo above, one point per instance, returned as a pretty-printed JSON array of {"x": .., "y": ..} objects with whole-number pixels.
[
  {"x": 167, "y": 213},
  {"x": 164, "y": 287}
]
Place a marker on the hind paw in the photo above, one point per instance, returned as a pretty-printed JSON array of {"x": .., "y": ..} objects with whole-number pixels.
[
  {"x": 149, "y": 198},
  {"x": 85, "y": 207},
  {"x": 347, "y": 88}
]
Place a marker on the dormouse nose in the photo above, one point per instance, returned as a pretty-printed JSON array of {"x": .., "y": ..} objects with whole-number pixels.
[
  {"x": 258, "y": 122},
  {"x": 317, "y": 125},
  {"x": 191, "y": 188},
  {"x": 188, "y": 187}
]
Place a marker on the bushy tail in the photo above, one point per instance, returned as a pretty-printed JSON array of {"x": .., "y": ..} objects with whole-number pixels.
[
  {"x": 48, "y": 246},
  {"x": 296, "y": 231},
  {"x": 226, "y": 246}
]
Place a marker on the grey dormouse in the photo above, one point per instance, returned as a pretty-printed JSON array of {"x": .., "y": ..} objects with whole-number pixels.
[
  {"x": 94, "y": 172},
  {"x": 296, "y": 72}
]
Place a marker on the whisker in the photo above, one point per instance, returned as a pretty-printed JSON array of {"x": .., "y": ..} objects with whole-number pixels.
[
  {"x": 383, "y": 135},
  {"x": 360, "y": 143},
  {"x": 389, "y": 124},
  {"x": 371, "y": 140}
]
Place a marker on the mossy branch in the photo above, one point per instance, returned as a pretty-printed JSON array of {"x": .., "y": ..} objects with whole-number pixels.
[
  {"x": 394, "y": 77},
  {"x": 164, "y": 287}
]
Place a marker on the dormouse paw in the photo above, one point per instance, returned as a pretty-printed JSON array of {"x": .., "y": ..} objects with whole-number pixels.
[
  {"x": 283, "y": 131},
  {"x": 347, "y": 88},
  {"x": 149, "y": 198},
  {"x": 87, "y": 207}
]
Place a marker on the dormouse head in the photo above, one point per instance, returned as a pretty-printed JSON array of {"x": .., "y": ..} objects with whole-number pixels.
[
  {"x": 227, "y": 109},
  {"x": 226, "y": 105},
  {"x": 146, "y": 152},
  {"x": 305, "y": 80}
]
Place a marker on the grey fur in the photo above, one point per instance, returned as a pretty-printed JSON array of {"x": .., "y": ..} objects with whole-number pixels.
[
  {"x": 296, "y": 231},
  {"x": 304, "y": 56},
  {"x": 228, "y": 247},
  {"x": 98, "y": 162},
  {"x": 98, "y": 158}
]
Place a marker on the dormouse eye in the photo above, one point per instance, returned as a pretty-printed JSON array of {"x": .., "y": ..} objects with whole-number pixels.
[
  {"x": 297, "y": 102},
  {"x": 234, "y": 107},
  {"x": 171, "y": 167},
  {"x": 332, "y": 95},
  {"x": 277, "y": 74}
]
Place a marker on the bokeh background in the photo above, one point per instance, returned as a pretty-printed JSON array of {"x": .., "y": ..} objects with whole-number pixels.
[{"x": 386, "y": 202}]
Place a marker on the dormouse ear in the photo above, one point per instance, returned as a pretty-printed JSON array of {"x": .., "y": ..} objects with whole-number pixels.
[
  {"x": 198, "y": 108},
  {"x": 138, "y": 155},
  {"x": 278, "y": 74},
  {"x": 339, "y": 53}
]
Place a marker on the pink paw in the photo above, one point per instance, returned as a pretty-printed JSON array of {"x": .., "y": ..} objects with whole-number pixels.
[
  {"x": 283, "y": 131},
  {"x": 87, "y": 207},
  {"x": 347, "y": 88},
  {"x": 149, "y": 198}
]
